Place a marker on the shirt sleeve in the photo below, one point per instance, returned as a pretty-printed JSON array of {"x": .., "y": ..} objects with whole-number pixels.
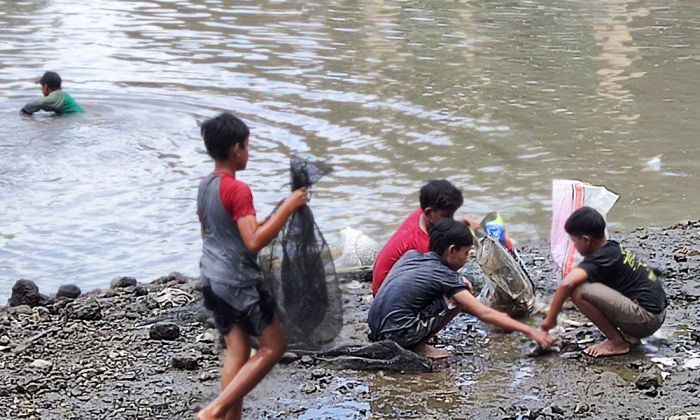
[
  {"x": 452, "y": 283},
  {"x": 51, "y": 103},
  {"x": 237, "y": 199},
  {"x": 598, "y": 264},
  {"x": 33, "y": 106}
]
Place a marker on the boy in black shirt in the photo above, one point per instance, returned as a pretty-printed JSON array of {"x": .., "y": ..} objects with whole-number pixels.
[
  {"x": 611, "y": 286},
  {"x": 423, "y": 292}
]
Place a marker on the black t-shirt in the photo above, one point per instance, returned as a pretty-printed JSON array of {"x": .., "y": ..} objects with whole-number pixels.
[
  {"x": 412, "y": 285},
  {"x": 621, "y": 270}
]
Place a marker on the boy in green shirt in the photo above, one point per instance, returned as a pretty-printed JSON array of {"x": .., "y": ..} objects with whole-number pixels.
[{"x": 54, "y": 100}]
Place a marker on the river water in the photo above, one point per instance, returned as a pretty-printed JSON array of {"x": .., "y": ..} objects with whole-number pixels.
[{"x": 499, "y": 97}]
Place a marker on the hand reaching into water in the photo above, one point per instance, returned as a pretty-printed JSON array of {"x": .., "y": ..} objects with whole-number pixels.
[{"x": 542, "y": 338}]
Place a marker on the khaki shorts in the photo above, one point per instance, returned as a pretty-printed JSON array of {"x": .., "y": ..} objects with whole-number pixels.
[{"x": 624, "y": 313}]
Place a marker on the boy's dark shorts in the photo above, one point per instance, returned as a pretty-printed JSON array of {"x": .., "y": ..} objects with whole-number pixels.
[
  {"x": 431, "y": 320},
  {"x": 253, "y": 314}
]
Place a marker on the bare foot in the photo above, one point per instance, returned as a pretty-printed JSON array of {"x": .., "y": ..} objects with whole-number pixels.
[
  {"x": 208, "y": 413},
  {"x": 608, "y": 348},
  {"x": 633, "y": 341},
  {"x": 431, "y": 352}
]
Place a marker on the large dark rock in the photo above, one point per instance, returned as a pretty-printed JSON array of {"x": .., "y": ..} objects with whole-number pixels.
[
  {"x": 122, "y": 282},
  {"x": 176, "y": 277},
  {"x": 25, "y": 292},
  {"x": 69, "y": 291},
  {"x": 184, "y": 362},
  {"x": 86, "y": 309},
  {"x": 164, "y": 331}
]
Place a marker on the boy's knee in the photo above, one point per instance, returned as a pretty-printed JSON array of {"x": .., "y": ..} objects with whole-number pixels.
[
  {"x": 279, "y": 346},
  {"x": 577, "y": 294}
]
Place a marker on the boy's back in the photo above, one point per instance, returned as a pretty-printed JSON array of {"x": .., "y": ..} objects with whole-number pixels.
[
  {"x": 221, "y": 201},
  {"x": 416, "y": 281},
  {"x": 409, "y": 236},
  {"x": 621, "y": 270}
]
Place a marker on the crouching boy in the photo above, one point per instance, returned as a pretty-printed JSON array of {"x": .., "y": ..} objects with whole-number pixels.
[
  {"x": 611, "y": 286},
  {"x": 423, "y": 292}
]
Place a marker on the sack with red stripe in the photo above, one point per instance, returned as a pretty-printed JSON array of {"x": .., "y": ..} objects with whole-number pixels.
[{"x": 568, "y": 196}]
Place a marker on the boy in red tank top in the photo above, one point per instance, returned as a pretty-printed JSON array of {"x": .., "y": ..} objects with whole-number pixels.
[{"x": 439, "y": 199}]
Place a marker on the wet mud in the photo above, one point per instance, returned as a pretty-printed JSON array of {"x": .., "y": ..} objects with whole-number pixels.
[{"x": 148, "y": 351}]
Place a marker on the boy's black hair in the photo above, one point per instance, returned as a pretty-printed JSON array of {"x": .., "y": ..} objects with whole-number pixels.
[
  {"x": 50, "y": 79},
  {"x": 586, "y": 221},
  {"x": 440, "y": 194},
  {"x": 222, "y": 132},
  {"x": 448, "y": 232}
]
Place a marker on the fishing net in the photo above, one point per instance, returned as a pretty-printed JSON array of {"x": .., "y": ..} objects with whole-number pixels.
[
  {"x": 299, "y": 271},
  {"x": 501, "y": 280}
]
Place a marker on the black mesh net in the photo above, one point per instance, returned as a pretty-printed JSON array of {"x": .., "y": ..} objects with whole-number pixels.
[{"x": 299, "y": 271}]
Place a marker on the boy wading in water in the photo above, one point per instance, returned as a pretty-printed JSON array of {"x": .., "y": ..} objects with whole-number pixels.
[
  {"x": 423, "y": 292},
  {"x": 611, "y": 286},
  {"x": 230, "y": 275},
  {"x": 54, "y": 99}
]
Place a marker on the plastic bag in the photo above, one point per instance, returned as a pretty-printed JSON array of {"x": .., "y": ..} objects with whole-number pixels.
[
  {"x": 568, "y": 196},
  {"x": 358, "y": 249},
  {"x": 298, "y": 269},
  {"x": 507, "y": 287}
]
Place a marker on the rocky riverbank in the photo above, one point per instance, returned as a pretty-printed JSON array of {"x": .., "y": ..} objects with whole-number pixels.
[{"x": 147, "y": 350}]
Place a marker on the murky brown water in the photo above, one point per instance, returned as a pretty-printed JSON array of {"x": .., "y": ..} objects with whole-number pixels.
[{"x": 499, "y": 97}]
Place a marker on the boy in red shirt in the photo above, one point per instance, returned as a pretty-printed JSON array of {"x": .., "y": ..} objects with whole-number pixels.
[
  {"x": 230, "y": 275},
  {"x": 439, "y": 199}
]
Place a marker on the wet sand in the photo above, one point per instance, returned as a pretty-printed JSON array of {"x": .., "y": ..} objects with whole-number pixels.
[{"x": 55, "y": 365}]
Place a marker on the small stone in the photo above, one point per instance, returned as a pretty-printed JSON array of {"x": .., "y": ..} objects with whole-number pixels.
[
  {"x": 69, "y": 291},
  {"x": 581, "y": 408},
  {"x": 172, "y": 277},
  {"x": 22, "y": 310},
  {"x": 110, "y": 293},
  {"x": 557, "y": 410},
  {"x": 648, "y": 380},
  {"x": 208, "y": 336},
  {"x": 164, "y": 331},
  {"x": 41, "y": 364},
  {"x": 206, "y": 376},
  {"x": 307, "y": 360},
  {"x": 4, "y": 340},
  {"x": 318, "y": 373},
  {"x": 308, "y": 388},
  {"x": 289, "y": 357},
  {"x": 86, "y": 309},
  {"x": 122, "y": 282},
  {"x": 128, "y": 376},
  {"x": 26, "y": 292},
  {"x": 184, "y": 362}
]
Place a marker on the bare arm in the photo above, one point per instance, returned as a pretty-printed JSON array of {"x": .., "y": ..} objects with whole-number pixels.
[
  {"x": 472, "y": 305},
  {"x": 256, "y": 236},
  {"x": 574, "y": 279}
]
